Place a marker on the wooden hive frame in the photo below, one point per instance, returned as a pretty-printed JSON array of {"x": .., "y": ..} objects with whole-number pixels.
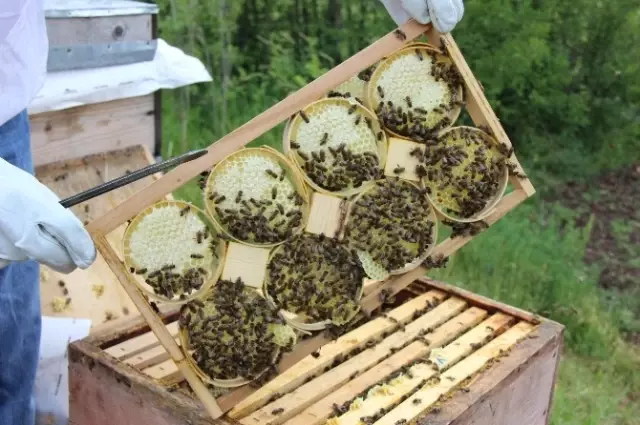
[{"x": 477, "y": 107}]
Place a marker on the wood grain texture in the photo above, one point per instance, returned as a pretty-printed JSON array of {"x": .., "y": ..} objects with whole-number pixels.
[
  {"x": 92, "y": 129},
  {"x": 101, "y": 396},
  {"x": 517, "y": 390},
  {"x": 320, "y": 411}
]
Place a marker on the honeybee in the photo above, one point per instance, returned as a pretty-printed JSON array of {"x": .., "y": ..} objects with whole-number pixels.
[
  {"x": 400, "y": 34},
  {"x": 185, "y": 211},
  {"x": 304, "y": 116},
  {"x": 325, "y": 138}
]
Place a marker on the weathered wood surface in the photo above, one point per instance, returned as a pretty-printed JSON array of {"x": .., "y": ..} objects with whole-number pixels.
[{"x": 93, "y": 129}]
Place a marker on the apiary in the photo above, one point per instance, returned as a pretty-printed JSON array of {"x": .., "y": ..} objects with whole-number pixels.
[
  {"x": 297, "y": 293},
  {"x": 437, "y": 355}
]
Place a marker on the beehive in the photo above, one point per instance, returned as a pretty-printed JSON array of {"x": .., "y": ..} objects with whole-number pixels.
[
  {"x": 303, "y": 108},
  {"x": 485, "y": 363}
]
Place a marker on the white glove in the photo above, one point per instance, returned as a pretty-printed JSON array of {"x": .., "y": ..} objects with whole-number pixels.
[
  {"x": 444, "y": 14},
  {"x": 34, "y": 226}
]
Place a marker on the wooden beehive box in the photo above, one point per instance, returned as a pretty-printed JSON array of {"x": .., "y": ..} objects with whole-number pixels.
[
  {"x": 376, "y": 293},
  {"x": 91, "y": 34},
  {"x": 497, "y": 367}
]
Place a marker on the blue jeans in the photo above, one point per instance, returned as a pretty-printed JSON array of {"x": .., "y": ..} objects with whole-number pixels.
[{"x": 20, "y": 317}]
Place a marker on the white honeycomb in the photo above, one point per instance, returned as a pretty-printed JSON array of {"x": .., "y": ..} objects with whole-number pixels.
[
  {"x": 246, "y": 171},
  {"x": 442, "y": 196},
  {"x": 372, "y": 268},
  {"x": 331, "y": 116},
  {"x": 165, "y": 235},
  {"x": 405, "y": 75}
]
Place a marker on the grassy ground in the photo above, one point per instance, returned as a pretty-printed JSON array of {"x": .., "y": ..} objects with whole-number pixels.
[{"x": 534, "y": 258}]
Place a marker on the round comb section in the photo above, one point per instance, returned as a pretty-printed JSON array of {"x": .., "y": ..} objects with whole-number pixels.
[
  {"x": 393, "y": 227},
  {"x": 257, "y": 197},
  {"x": 354, "y": 87},
  {"x": 465, "y": 173},
  {"x": 338, "y": 145},
  {"x": 315, "y": 281},
  {"x": 175, "y": 249},
  {"x": 233, "y": 335},
  {"x": 415, "y": 92}
]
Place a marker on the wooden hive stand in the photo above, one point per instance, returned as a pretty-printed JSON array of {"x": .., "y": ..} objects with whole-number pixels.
[{"x": 482, "y": 115}]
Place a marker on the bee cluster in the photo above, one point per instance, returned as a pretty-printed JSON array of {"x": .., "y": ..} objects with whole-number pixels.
[
  {"x": 336, "y": 144},
  {"x": 317, "y": 278},
  {"x": 261, "y": 221},
  {"x": 419, "y": 112},
  {"x": 172, "y": 248},
  {"x": 252, "y": 197},
  {"x": 393, "y": 222},
  {"x": 463, "y": 170},
  {"x": 231, "y": 331},
  {"x": 166, "y": 282},
  {"x": 341, "y": 169}
]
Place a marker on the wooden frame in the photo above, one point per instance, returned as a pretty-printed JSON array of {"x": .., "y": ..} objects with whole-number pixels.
[{"x": 477, "y": 107}]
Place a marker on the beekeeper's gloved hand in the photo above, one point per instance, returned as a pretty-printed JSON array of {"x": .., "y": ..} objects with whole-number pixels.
[
  {"x": 444, "y": 14},
  {"x": 34, "y": 226}
]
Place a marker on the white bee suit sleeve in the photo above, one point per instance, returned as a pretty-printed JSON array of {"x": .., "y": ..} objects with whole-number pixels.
[
  {"x": 24, "y": 49},
  {"x": 34, "y": 226},
  {"x": 444, "y": 14}
]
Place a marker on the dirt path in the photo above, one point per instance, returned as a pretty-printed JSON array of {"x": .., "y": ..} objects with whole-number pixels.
[{"x": 613, "y": 200}]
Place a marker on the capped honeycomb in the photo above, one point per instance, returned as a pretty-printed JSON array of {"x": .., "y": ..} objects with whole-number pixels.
[
  {"x": 465, "y": 172},
  {"x": 393, "y": 225},
  {"x": 415, "y": 92},
  {"x": 175, "y": 249},
  {"x": 316, "y": 280},
  {"x": 233, "y": 336},
  {"x": 338, "y": 145},
  {"x": 256, "y": 197}
]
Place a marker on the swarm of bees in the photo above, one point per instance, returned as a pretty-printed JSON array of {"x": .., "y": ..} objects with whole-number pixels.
[
  {"x": 233, "y": 332},
  {"x": 463, "y": 170},
  {"x": 393, "y": 222},
  {"x": 316, "y": 278}
]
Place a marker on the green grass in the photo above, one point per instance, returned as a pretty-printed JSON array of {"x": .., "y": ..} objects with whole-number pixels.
[{"x": 532, "y": 259}]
